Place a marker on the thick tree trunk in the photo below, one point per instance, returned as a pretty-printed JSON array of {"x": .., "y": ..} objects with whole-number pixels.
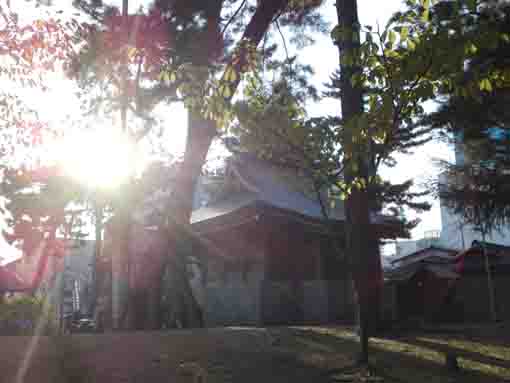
[
  {"x": 154, "y": 304},
  {"x": 377, "y": 277},
  {"x": 358, "y": 248},
  {"x": 200, "y": 135},
  {"x": 360, "y": 237},
  {"x": 124, "y": 282},
  {"x": 98, "y": 216},
  {"x": 104, "y": 300}
]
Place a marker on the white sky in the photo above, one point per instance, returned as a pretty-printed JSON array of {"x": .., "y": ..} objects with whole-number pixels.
[{"x": 323, "y": 57}]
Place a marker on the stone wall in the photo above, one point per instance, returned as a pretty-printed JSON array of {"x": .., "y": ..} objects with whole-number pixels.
[
  {"x": 306, "y": 302},
  {"x": 230, "y": 298},
  {"x": 251, "y": 301},
  {"x": 233, "y": 303}
]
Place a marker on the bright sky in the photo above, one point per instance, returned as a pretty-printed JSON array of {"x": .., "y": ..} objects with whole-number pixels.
[{"x": 59, "y": 104}]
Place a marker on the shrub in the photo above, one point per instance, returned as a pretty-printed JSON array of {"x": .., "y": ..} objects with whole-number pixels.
[{"x": 20, "y": 316}]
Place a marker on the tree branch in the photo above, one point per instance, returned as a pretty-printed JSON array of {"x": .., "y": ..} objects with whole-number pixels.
[{"x": 233, "y": 17}]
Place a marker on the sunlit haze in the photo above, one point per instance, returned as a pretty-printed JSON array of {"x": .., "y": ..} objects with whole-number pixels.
[{"x": 99, "y": 158}]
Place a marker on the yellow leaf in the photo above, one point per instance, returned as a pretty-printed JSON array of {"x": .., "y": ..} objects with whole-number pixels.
[
  {"x": 221, "y": 90},
  {"x": 39, "y": 24},
  {"x": 230, "y": 74},
  {"x": 227, "y": 92},
  {"x": 131, "y": 52},
  {"x": 426, "y": 6}
]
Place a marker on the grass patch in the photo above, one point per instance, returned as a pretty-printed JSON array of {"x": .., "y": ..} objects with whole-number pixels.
[
  {"x": 403, "y": 360},
  {"x": 490, "y": 350}
]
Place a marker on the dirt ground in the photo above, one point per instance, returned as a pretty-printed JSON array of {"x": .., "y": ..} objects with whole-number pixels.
[{"x": 312, "y": 354}]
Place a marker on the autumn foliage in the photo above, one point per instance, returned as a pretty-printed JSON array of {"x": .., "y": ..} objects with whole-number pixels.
[{"x": 29, "y": 50}]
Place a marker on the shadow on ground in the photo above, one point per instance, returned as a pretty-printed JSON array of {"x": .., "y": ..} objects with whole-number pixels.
[
  {"x": 413, "y": 358},
  {"x": 311, "y": 354}
]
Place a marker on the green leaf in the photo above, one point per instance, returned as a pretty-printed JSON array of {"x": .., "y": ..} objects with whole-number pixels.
[
  {"x": 404, "y": 33},
  {"x": 485, "y": 84},
  {"x": 336, "y": 33},
  {"x": 392, "y": 37},
  {"x": 471, "y": 5},
  {"x": 426, "y": 10},
  {"x": 471, "y": 48}
]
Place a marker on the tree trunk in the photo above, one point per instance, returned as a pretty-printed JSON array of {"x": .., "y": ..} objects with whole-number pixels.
[
  {"x": 490, "y": 283},
  {"x": 154, "y": 304},
  {"x": 98, "y": 216},
  {"x": 123, "y": 279},
  {"x": 200, "y": 135},
  {"x": 359, "y": 233},
  {"x": 377, "y": 277}
]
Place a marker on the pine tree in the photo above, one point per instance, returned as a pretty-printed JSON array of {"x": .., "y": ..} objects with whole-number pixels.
[
  {"x": 210, "y": 45},
  {"x": 473, "y": 114}
]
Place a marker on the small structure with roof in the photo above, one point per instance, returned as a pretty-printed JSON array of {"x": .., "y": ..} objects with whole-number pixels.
[
  {"x": 419, "y": 285},
  {"x": 266, "y": 250},
  {"x": 438, "y": 284},
  {"x": 274, "y": 250}
]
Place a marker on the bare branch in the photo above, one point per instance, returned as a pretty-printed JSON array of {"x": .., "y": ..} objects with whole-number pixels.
[{"x": 236, "y": 13}]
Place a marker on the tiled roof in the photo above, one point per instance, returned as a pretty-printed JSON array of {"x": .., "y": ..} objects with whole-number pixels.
[
  {"x": 273, "y": 185},
  {"x": 223, "y": 206},
  {"x": 281, "y": 187}
]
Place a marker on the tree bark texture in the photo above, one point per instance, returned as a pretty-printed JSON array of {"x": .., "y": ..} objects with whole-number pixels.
[{"x": 360, "y": 236}]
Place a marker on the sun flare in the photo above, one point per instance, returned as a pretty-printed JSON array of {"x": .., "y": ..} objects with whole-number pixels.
[{"x": 99, "y": 158}]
